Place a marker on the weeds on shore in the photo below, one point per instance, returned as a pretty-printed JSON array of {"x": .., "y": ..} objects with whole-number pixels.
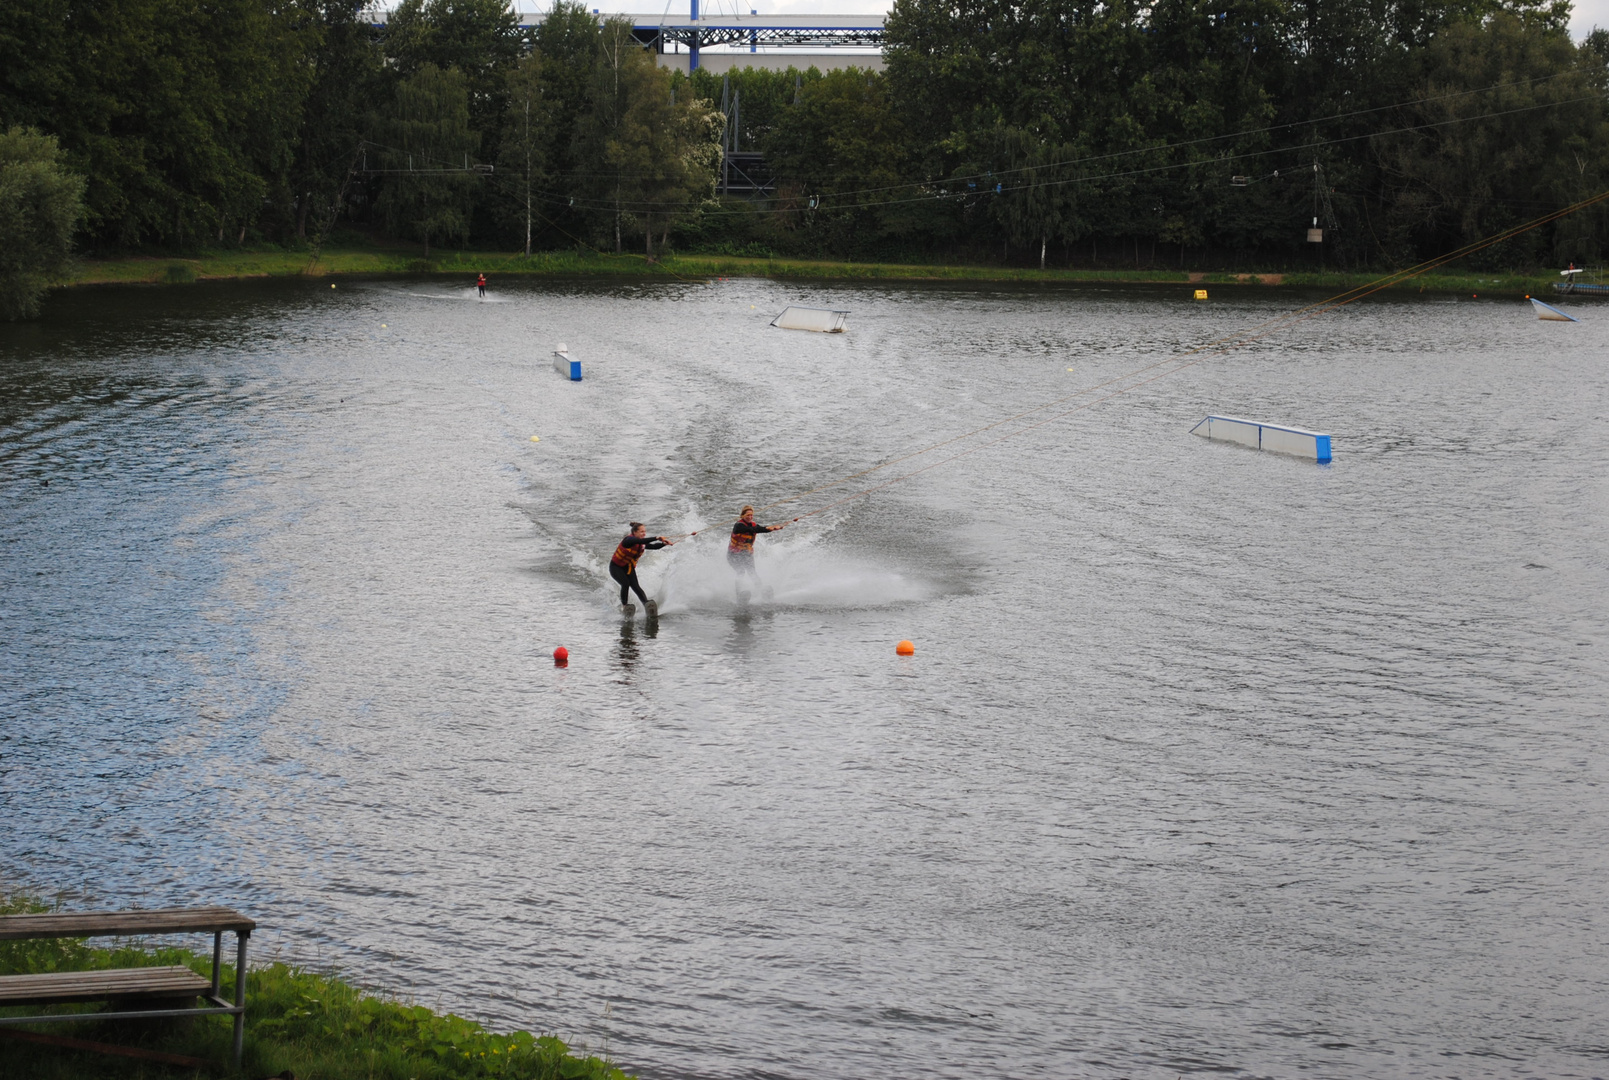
[
  {"x": 313, "y": 1026},
  {"x": 383, "y": 261}
]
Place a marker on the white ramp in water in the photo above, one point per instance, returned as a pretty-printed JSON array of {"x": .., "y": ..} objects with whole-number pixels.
[
  {"x": 821, "y": 320},
  {"x": 1275, "y": 438},
  {"x": 570, "y": 369},
  {"x": 1550, "y": 313}
]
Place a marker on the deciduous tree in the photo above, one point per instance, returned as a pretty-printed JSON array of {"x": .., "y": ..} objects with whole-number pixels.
[
  {"x": 428, "y": 143},
  {"x": 41, "y": 203}
]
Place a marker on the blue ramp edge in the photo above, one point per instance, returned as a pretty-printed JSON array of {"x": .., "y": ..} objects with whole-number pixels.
[{"x": 570, "y": 369}]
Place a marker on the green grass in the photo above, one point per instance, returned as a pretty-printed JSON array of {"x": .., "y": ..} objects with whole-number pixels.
[
  {"x": 381, "y": 260},
  {"x": 315, "y": 1026}
]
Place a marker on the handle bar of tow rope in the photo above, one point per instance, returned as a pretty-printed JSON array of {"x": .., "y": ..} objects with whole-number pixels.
[{"x": 723, "y": 525}]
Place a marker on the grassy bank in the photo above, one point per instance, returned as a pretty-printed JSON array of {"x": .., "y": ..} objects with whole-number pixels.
[
  {"x": 313, "y": 1026},
  {"x": 379, "y": 260}
]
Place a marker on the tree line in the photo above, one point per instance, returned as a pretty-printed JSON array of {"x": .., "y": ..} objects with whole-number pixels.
[{"x": 1055, "y": 132}]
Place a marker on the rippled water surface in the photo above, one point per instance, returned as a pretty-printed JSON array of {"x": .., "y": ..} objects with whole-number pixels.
[{"x": 1207, "y": 761}]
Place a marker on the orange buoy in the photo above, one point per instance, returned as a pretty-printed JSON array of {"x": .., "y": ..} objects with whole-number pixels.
[{"x": 905, "y": 648}]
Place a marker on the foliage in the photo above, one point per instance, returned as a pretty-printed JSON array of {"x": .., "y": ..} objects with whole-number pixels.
[
  {"x": 183, "y": 116},
  {"x": 479, "y": 38},
  {"x": 653, "y": 156},
  {"x": 757, "y": 96},
  {"x": 526, "y": 151},
  {"x": 1448, "y": 183},
  {"x": 40, "y": 206},
  {"x": 427, "y": 143},
  {"x": 842, "y": 148},
  {"x": 568, "y": 42},
  {"x": 308, "y": 1024},
  {"x": 348, "y": 78},
  {"x": 1096, "y": 133}
]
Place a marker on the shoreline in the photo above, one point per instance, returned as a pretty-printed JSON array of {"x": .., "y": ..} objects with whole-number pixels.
[
  {"x": 299, "y": 1022},
  {"x": 371, "y": 261}
]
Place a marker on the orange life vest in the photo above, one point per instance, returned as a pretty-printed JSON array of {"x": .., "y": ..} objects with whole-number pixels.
[
  {"x": 742, "y": 539},
  {"x": 629, "y": 551}
]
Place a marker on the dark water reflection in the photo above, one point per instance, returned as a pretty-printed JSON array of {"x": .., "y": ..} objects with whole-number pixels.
[{"x": 1207, "y": 760}]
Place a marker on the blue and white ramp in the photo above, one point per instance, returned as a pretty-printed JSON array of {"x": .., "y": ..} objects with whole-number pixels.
[
  {"x": 1275, "y": 438},
  {"x": 570, "y": 369},
  {"x": 1550, "y": 313}
]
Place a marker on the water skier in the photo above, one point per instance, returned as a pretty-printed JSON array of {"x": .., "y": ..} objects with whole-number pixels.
[
  {"x": 481, "y": 285},
  {"x": 740, "y": 551},
  {"x": 623, "y": 566}
]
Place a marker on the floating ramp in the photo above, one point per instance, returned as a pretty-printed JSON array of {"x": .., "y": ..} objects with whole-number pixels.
[
  {"x": 570, "y": 369},
  {"x": 821, "y": 320},
  {"x": 1572, "y": 285},
  {"x": 1275, "y": 438},
  {"x": 1550, "y": 313}
]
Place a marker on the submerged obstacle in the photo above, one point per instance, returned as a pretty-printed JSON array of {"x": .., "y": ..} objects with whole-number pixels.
[
  {"x": 1275, "y": 438},
  {"x": 821, "y": 320},
  {"x": 1549, "y": 312},
  {"x": 570, "y": 369}
]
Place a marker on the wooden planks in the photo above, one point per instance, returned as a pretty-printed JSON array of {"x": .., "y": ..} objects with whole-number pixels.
[
  {"x": 59, "y": 987},
  {"x": 124, "y": 923}
]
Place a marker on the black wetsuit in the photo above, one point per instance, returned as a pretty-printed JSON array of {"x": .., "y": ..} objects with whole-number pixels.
[{"x": 623, "y": 565}]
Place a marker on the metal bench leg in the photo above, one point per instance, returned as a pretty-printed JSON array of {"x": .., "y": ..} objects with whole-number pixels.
[
  {"x": 217, "y": 961},
  {"x": 240, "y": 998}
]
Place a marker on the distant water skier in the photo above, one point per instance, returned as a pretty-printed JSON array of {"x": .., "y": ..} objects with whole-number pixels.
[
  {"x": 740, "y": 552},
  {"x": 481, "y": 285},
  {"x": 623, "y": 567}
]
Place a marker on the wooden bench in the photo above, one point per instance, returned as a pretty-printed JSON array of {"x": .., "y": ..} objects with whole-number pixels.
[{"x": 133, "y": 993}]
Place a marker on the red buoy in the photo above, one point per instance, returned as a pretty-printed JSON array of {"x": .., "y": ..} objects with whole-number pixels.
[{"x": 561, "y": 656}]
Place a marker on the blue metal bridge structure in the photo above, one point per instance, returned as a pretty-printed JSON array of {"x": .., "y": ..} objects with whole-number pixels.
[{"x": 666, "y": 33}]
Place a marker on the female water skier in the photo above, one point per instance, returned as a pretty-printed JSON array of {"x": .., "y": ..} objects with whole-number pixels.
[
  {"x": 740, "y": 552},
  {"x": 623, "y": 566},
  {"x": 481, "y": 285}
]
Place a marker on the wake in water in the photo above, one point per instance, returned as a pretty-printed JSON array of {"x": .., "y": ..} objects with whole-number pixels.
[
  {"x": 435, "y": 293},
  {"x": 798, "y": 572}
]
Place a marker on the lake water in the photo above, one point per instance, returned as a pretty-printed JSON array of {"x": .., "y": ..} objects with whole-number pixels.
[{"x": 1207, "y": 760}]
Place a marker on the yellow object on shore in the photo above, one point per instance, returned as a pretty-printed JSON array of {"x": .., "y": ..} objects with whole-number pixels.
[{"x": 1201, "y": 294}]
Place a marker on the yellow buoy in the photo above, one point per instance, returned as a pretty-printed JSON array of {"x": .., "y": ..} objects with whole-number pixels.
[
  {"x": 536, "y": 438},
  {"x": 332, "y": 284}
]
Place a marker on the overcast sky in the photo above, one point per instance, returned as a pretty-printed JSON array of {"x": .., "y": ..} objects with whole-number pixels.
[{"x": 1588, "y": 13}]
